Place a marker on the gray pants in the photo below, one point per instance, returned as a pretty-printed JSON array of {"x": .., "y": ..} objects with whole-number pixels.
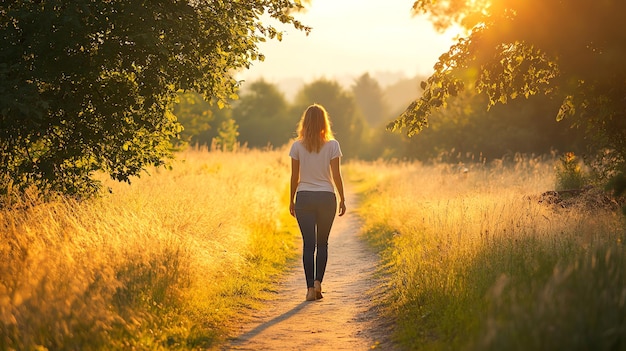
[{"x": 315, "y": 212}]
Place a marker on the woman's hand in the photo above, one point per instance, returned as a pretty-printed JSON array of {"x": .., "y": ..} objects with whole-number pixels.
[
  {"x": 342, "y": 208},
  {"x": 292, "y": 209}
]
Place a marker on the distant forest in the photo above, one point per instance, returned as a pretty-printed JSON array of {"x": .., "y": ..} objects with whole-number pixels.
[{"x": 462, "y": 131}]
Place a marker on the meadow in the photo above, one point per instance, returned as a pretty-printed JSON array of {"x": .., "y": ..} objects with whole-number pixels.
[
  {"x": 475, "y": 258},
  {"x": 169, "y": 262}
]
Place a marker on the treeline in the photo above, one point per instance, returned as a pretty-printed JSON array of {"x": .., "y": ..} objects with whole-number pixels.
[{"x": 462, "y": 130}]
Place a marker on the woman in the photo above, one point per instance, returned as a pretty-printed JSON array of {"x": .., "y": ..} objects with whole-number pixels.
[{"x": 314, "y": 157}]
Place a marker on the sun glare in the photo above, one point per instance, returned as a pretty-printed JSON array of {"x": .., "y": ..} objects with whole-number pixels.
[{"x": 350, "y": 38}]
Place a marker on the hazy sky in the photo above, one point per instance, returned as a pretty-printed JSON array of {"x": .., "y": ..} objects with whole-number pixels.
[{"x": 349, "y": 38}]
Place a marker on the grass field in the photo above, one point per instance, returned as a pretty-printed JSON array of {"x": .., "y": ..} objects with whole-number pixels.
[
  {"x": 479, "y": 260},
  {"x": 474, "y": 259},
  {"x": 167, "y": 263}
]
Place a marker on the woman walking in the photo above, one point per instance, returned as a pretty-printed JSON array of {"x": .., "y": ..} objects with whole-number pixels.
[{"x": 315, "y": 167}]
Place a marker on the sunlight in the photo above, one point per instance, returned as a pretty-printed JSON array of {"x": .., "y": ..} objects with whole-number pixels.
[
  {"x": 467, "y": 249},
  {"x": 352, "y": 37}
]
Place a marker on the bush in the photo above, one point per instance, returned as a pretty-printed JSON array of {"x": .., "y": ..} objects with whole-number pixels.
[{"x": 569, "y": 173}]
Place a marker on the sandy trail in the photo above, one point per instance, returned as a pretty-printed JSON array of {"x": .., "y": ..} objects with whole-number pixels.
[{"x": 344, "y": 319}]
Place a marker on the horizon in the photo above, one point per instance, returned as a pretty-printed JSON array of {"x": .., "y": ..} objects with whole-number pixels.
[{"x": 374, "y": 40}]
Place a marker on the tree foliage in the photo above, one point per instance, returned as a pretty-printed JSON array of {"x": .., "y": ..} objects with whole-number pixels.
[
  {"x": 370, "y": 99},
  {"x": 571, "y": 51},
  {"x": 202, "y": 121},
  {"x": 263, "y": 117},
  {"x": 520, "y": 126},
  {"x": 85, "y": 84}
]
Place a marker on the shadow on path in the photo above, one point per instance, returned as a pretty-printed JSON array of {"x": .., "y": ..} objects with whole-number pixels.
[
  {"x": 278, "y": 319},
  {"x": 345, "y": 319}
]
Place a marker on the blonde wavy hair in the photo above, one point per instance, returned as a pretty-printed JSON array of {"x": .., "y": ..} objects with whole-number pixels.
[{"x": 314, "y": 129}]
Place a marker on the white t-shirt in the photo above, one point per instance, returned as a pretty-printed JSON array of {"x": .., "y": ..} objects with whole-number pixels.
[{"x": 315, "y": 167}]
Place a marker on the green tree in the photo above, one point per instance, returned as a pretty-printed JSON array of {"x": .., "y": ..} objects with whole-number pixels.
[
  {"x": 370, "y": 100},
  {"x": 201, "y": 120},
  {"x": 520, "y": 126},
  {"x": 263, "y": 116},
  {"x": 85, "y": 84},
  {"x": 193, "y": 113},
  {"x": 347, "y": 121},
  {"x": 572, "y": 51},
  {"x": 226, "y": 138}
]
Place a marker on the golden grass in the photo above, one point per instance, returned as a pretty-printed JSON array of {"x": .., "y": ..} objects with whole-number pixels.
[
  {"x": 166, "y": 263},
  {"x": 475, "y": 261}
]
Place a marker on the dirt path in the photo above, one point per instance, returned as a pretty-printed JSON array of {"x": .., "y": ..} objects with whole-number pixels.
[{"x": 343, "y": 320}]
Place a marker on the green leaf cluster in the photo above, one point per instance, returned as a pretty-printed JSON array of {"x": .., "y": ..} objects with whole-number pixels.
[
  {"x": 85, "y": 85},
  {"x": 263, "y": 117},
  {"x": 571, "y": 51}
]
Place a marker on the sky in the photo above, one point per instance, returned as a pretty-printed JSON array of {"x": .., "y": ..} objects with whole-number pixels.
[{"x": 350, "y": 38}]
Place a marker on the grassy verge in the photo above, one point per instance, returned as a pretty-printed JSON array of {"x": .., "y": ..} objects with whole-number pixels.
[
  {"x": 475, "y": 260},
  {"x": 165, "y": 264}
]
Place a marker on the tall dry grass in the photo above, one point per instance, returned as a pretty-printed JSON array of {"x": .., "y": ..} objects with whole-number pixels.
[
  {"x": 475, "y": 260},
  {"x": 166, "y": 263}
]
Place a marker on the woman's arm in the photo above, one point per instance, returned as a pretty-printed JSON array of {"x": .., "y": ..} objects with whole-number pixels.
[
  {"x": 335, "y": 167},
  {"x": 295, "y": 179}
]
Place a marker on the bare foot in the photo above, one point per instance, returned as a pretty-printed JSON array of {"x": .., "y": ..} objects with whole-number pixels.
[
  {"x": 310, "y": 294},
  {"x": 345, "y": 319},
  {"x": 318, "y": 289}
]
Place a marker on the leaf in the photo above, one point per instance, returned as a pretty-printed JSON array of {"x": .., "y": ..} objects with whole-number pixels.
[
  {"x": 567, "y": 108},
  {"x": 95, "y": 79}
]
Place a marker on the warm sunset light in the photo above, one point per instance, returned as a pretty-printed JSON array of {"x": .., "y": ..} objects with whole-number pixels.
[
  {"x": 412, "y": 175},
  {"x": 353, "y": 37}
]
